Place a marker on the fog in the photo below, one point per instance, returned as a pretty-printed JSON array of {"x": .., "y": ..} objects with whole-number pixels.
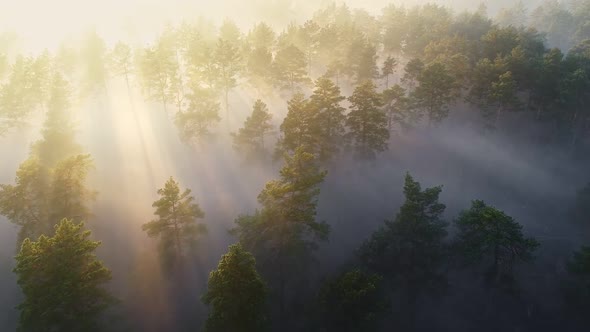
[
  {"x": 51, "y": 23},
  {"x": 136, "y": 148}
]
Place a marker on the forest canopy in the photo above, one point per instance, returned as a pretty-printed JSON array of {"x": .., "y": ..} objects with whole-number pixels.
[{"x": 338, "y": 166}]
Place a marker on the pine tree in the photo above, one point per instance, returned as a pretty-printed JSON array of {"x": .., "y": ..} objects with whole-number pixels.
[
  {"x": 366, "y": 122},
  {"x": 158, "y": 69},
  {"x": 411, "y": 72},
  {"x": 16, "y": 100},
  {"x": 366, "y": 68},
  {"x": 262, "y": 36},
  {"x": 329, "y": 114},
  {"x": 176, "y": 224},
  {"x": 388, "y": 69},
  {"x": 58, "y": 134},
  {"x": 227, "y": 59},
  {"x": 396, "y": 107},
  {"x": 308, "y": 37},
  {"x": 250, "y": 138},
  {"x": 434, "y": 92},
  {"x": 259, "y": 70},
  {"x": 283, "y": 235},
  {"x": 409, "y": 251},
  {"x": 290, "y": 68},
  {"x": 486, "y": 234},
  {"x": 121, "y": 63},
  {"x": 230, "y": 32},
  {"x": 236, "y": 294},
  {"x": 50, "y": 184},
  {"x": 299, "y": 128},
  {"x": 195, "y": 122},
  {"x": 62, "y": 281},
  {"x": 352, "y": 301}
]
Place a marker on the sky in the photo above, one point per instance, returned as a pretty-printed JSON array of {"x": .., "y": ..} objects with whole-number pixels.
[{"x": 44, "y": 24}]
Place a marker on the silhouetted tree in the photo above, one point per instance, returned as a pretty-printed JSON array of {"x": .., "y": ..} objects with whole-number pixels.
[
  {"x": 353, "y": 301},
  {"x": 409, "y": 251},
  {"x": 283, "y": 235},
  {"x": 486, "y": 233}
]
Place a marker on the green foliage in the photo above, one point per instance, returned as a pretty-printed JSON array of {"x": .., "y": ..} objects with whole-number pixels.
[
  {"x": 485, "y": 233},
  {"x": 236, "y": 294},
  {"x": 393, "y": 19},
  {"x": 411, "y": 73},
  {"x": 176, "y": 225},
  {"x": 230, "y": 33},
  {"x": 50, "y": 184},
  {"x": 328, "y": 116},
  {"x": 259, "y": 68},
  {"x": 262, "y": 36},
  {"x": 409, "y": 251},
  {"x": 362, "y": 61},
  {"x": 299, "y": 128},
  {"x": 388, "y": 69},
  {"x": 41, "y": 195},
  {"x": 17, "y": 99},
  {"x": 288, "y": 207},
  {"x": 290, "y": 68},
  {"x": 353, "y": 301},
  {"x": 434, "y": 92},
  {"x": 284, "y": 233},
  {"x": 227, "y": 60},
  {"x": 250, "y": 138},
  {"x": 58, "y": 135},
  {"x": 366, "y": 121},
  {"x": 396, "y": 106},
  {"x": 195, "y": 122},
  {"x": 62, "y": 281},
  {"x": 158, "y": 69}
]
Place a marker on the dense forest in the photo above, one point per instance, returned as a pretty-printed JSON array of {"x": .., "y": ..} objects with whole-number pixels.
[{"x": 414, "y": 167}]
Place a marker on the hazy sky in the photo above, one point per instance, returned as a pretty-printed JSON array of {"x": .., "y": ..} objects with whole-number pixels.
[{"x": 43, "y": 23}]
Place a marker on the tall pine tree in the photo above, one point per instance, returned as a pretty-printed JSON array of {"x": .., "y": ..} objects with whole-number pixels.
[{"x": 366, "y": 122}]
